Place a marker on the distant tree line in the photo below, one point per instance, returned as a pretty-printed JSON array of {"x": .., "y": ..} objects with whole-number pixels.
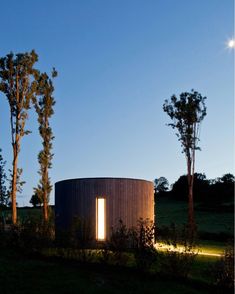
[{"x": 210, "y": 192}]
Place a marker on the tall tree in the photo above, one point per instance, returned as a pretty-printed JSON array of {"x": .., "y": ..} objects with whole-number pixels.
[
  {"x": 44, "y": 108},
  {"x": 161, "y": 185},
  {"x": 18, "y": 83},
  {"x": 187, "y": 113},
  {"x": 35, "y": 200},
  {"x": 3, "y": 178}
]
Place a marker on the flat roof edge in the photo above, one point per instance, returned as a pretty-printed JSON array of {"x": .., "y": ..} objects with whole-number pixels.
[{"x": 103, "y": 178}]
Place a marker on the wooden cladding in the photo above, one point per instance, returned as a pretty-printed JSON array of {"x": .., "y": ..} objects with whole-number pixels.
[{"x": 124, "y": 199}]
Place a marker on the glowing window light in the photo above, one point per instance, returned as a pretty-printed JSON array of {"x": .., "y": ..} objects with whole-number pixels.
[{"x": 100, "y": 219}]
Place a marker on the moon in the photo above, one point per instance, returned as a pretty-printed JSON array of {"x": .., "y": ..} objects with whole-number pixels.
[{"x": 231, "y": 44}]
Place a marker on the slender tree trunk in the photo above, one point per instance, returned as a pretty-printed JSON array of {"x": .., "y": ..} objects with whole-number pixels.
[
  {"x": 190, "y": 207},
  {"x": 15, "y": 145},
  {"x": 191, "y": 220},
  {"x": 45, "y": 200},
  {"x": 45, "y": 176},
  {"x": 14, "y": 184},
  {"x": 45, "y": 208}
]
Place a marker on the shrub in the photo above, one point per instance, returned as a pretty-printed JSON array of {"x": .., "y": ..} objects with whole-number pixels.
[
  {"x": 222, "y": 272},
  {"x": 173, "y": 235},
  {"x": 119, "y": 244},
  {"x": 120, "y": 239},
  {"x": 138, "y": 241},
  {"x": 142, "y": 238},
  {"x": 180, "y": 253},
  {"x": 80, "y": 234},
  {"x": 30, "y": 235}
]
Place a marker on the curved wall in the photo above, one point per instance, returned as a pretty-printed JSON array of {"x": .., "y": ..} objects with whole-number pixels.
[{"x": 125, "y": 199}]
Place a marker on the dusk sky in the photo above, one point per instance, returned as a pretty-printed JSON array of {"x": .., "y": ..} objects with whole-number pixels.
[{"x": 118, "y": 60}]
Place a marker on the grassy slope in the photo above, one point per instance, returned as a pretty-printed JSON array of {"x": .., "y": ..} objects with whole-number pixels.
[{"x": 168, "y": 211}]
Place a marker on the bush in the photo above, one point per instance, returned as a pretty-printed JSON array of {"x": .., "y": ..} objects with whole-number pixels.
[
  {"x": 80, "y": 234},
  {"x": 142, "y": 238},
  {"x": 173, "y": 235},
  {"x": 119, "y": 244},
  {"x": 222, "y": 272},
  {"x": 138, "y": 241},
  {"x": 180, "y": 253},
  {"x": 30, "y": 235},
  {"x": 177, "y": 263},
  {"x": 120, "y": 238}
]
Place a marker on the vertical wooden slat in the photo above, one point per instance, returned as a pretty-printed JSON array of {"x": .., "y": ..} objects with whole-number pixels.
[{"x": 126, "y": 199}]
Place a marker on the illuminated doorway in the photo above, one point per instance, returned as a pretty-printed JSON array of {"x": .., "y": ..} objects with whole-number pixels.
[{"x": 100, "y": 219}]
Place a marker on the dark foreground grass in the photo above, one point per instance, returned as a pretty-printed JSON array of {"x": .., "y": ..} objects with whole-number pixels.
[{"x": 30, "y": 275}]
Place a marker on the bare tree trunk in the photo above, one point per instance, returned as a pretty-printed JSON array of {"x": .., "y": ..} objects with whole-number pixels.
[
  {"x": 191, "y": 220},
  {"x": 191, "y": 208},
  {"x": 45, "y": 176},
  {"x": 14, "y": 185},
  {"x": 45, "y": 200},
  {"x": 45, "y": 207},
  {"x": 15, "y": 145}
]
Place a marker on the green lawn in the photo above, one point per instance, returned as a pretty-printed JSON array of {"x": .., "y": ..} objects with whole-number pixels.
[
  {"x": 168, "y": 211},
  {"x": 25, "y": 213}
]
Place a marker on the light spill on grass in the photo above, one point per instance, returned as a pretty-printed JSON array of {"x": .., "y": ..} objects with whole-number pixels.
[{"x": 200, "y": 250}]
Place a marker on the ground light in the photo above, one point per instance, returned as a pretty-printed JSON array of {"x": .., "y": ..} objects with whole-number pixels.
[{"x": 200, "y": 250}]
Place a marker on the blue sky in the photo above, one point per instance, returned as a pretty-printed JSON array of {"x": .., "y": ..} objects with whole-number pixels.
[{"x": 118, "y": 60}]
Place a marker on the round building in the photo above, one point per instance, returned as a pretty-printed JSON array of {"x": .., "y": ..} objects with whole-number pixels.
[{"x": 100, "y": 203}]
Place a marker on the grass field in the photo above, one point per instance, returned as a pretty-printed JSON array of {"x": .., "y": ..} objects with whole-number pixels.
[
  {"x": 169, "y": 211},
  {"x": 26, "y": 213}
]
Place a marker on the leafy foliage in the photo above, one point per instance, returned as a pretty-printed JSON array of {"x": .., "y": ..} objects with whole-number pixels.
[
  {"x": 35, "y": 200},
  {"x": 119, "y": 244},
  {"x": 29, "y": 236},
  {"x": 19, "y": 183},
  {"x": 4, "y": 193},
  {"x": 223, "y": 271},
  {"x": 138, "y": 240},
  {"x": 187, "y": 112},
  {"x": 80, "y": 233},
  {"x": 120, "y": 239},
  {"x": 161, "y": 185},
  {"x": 44, "y": 108},
  {"x": 208, "y": 192},
  {"x": 180, "y": 253},
  {"x": 18, "y": 81},
  {"x": 143, "y": 244}
]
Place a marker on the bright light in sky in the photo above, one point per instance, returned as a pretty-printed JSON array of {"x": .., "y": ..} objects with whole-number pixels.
[
  {"x": 231, "y": 43},
  {"x": 108, "y": 115}
]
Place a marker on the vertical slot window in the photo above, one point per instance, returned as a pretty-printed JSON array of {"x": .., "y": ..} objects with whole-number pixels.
[{"x": 100, "y": 219}]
